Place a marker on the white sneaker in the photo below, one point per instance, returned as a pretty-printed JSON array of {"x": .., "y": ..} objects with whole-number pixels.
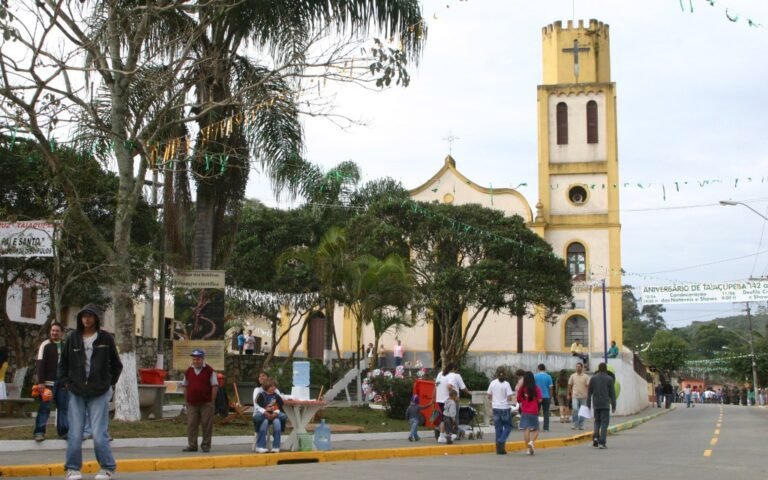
[
  {"x": 454, "y": 436},
  {"x": 74, "y": 475},
  {"x": 442, "y": 439},
  {"x": 105, "y": 475},
  {"x": 531, "y": 450},
  {"x": 275, "y": 450},
  {"x": 262, "y": 450}
]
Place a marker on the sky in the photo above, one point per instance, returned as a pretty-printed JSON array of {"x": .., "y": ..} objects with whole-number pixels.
[{"x": 692, "y": 112}]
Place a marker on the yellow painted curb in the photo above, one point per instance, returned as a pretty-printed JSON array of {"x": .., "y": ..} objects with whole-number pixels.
[
  {"x": 253, "y": 460},
  {"x": 228, "y": 461},
  {"x": 184, "y": 463},
  {"x": 134, "y": 465},
  {"x": 25, "y": 471}
]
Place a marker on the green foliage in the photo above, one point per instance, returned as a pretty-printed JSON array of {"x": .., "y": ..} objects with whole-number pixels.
[
  {"x": 465, "y": 258},
  {"x": 667, "y": 352},
  {"x": 395, "y": 394},
  {"x": 474, "y": 379},
  {"x": 639, "y": 327}
]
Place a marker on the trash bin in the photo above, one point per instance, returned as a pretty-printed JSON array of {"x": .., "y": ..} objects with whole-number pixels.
[
  {"x": 425, "y": 390},
  {"x": 151, "y": 376}
]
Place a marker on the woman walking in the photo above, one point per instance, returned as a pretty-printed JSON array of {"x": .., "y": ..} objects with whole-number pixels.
[{"x": 529, "y": 398}]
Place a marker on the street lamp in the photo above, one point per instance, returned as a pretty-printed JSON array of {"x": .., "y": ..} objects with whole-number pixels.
[
  {"x": 731, "y": 203},
  {"x": 751, "y": 350}
]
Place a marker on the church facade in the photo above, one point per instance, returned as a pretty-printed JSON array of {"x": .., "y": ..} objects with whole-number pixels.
[{"x": 577, "y": 209}]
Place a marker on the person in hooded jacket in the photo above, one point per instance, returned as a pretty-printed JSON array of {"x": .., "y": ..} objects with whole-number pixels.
[{"x": 89, "y": 369}]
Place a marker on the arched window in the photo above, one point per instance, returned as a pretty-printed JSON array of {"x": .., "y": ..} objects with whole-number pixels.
[
  {"x": 591, "y": 121},
  {"x": 577, "y": 260},
  {"x": 577, "y": 327},
  {"x": 562, "y": 123}
]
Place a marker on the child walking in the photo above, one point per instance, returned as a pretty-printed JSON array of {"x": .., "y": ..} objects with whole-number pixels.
[
  {"x": 450, "y": 411},
  {"x": 413, "y": 415},
  {"x": 529, "y": 397}
]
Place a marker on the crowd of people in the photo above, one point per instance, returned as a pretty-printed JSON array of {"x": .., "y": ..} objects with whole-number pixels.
[{"x": 588, "y": 396}]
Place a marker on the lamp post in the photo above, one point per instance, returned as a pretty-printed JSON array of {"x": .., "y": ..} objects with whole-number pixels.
[
  {"x": 751, "y": 349},
  {"x": 731, "y": 203}
]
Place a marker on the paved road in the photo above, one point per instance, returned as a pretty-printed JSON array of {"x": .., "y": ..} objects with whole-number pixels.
[{"x": 703, "y": 443}]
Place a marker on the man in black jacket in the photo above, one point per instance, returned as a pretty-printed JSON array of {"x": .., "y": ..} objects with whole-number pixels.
[
  {"x": 47, "y": 370},
  {"x": 89, "y": 369},
  {"x": 601, "y": 396}
]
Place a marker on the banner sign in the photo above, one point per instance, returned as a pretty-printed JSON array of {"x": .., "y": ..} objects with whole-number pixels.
[
  {"x": 199, "y": 279},
  {"x": 26, "y": 239},
  {"x": 723, "y": 292}
]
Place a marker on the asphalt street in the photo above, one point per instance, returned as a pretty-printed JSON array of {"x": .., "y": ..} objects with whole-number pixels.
[{"x": 705, "y": 442}]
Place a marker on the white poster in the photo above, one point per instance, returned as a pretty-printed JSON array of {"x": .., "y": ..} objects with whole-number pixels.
[
  {"x": 708, "y": 292},
  {"x": 26, "y": 239}
]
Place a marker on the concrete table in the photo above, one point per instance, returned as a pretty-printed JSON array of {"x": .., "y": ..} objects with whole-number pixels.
[{"x": 300, "y": 413}]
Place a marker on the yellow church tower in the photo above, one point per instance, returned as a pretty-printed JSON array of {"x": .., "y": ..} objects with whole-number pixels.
[{"x": 578, "y": 209}]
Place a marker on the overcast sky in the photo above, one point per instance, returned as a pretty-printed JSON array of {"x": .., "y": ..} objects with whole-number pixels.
[{"x": 692, "y": 107}]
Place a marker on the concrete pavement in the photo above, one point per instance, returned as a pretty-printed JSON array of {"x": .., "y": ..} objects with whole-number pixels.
[{"x": 28, "y": 458}]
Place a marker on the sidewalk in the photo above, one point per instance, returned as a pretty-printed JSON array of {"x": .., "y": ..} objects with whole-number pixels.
[{"x": 19, "y": 458}]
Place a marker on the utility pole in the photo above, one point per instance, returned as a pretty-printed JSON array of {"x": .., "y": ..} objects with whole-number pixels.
[{"x": 752, "y": 352}]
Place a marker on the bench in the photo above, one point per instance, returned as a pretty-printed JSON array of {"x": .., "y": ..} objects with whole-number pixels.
[{"x": 14, "y": 406}]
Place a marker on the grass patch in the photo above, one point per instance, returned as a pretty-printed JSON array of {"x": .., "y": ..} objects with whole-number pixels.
[{"x": 370, "y": 420}]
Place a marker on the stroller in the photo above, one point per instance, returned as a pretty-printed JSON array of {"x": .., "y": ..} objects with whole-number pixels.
[{"x": 468, "y": 422}]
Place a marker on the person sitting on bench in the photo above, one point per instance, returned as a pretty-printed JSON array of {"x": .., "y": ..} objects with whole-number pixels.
[
  {"x": 269, "y": 410},
  {"x": 577, "y": 350}
]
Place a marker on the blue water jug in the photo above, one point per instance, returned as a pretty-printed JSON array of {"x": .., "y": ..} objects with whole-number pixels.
[
  {"x": 323, "y": 436},
  {"x": 300, "y": 374}
]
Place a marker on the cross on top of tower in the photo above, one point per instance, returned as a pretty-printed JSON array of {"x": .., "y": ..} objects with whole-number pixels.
[
  {"x": 450, "y": 138},
  {"x": 575, "y": 50}
]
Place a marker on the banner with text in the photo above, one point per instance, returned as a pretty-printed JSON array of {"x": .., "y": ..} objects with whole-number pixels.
[
  {"x": 714, "y": 292},
  {"x": 26, "y": 239}
]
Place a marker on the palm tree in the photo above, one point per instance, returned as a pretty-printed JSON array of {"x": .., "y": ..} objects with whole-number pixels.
[{"x": 228, "y": 83}]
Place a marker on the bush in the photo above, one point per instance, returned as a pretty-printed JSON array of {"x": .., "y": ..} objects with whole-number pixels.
[
  {"x": 474, "y": 379},
  {"x": 395, "y": 394}
]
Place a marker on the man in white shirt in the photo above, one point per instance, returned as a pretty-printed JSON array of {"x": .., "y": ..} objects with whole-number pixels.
[{"x": 500, "y": 394}]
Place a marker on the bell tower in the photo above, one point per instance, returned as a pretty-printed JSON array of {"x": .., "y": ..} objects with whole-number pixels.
[{"x": 578, "y": 180}]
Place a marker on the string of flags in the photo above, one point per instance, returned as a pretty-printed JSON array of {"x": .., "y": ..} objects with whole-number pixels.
[{"x": 731, "y": 14}]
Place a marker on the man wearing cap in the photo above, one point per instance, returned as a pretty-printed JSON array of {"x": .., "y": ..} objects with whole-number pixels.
[
  {"x": 89, "y": 368},
  {"x": 201, "y": 387}
]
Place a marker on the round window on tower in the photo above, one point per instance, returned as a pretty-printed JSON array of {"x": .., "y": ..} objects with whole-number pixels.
[{"x": 577, "y": 195}]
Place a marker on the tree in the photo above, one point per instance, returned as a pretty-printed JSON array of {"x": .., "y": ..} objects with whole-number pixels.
[
  {"x": 75, "y": 274},
  {"x": 639, "y": 327},
  {"x": 84, "y": 71},
  {"x": 229, "y": 82},
  {"x": 382, "y": 322},
  {"x": 465, "y": 259},
  {"x": 667, "y": 352}
]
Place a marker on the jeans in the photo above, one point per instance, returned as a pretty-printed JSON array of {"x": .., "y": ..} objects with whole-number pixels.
[
  {"x": 502, "y": 422},
  {"x": 659, "y": 398},
  {"x": 98, "y": 409},
  {"x": 578, "y": 421},
  {"x": 414, "y": 422},
  {"x": 545, "y": 403},
  {"x": 261, "y": 424},
  {"x": 61, "y": 399},
  {"x": 398, "y": 361},
  {"x": 688, "y": 401},
  {"x": 602, "y": 418}
]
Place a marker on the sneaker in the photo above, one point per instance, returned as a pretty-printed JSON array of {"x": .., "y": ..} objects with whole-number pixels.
[
  {"x": 206, "y": 449},
  {"x": 275, "y": 450},
  {"x": 581, "y": 427},
  {"x": 531, "y": 450},
  {"x": 410, "y": 439},
  {"x": 74, "y": 475},
  {"x": 417, "y": 439},
  {"x": 261, "y": 450},
  {"x": 602, "y": 446},
  {"x": 39, "y": 437},
  {"x": 442, "y": 439},
  {"x": 454, "y": 436},
  {"x": 105, "y": 475},
  {"x": 189, "y": 449},
  {"x": 573, "y": 427},
  {"x": 594, "y": 442}
]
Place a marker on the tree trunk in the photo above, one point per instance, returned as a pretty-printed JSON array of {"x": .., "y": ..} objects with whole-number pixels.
[
  {"x": 519, "y": 333},
  {"x": 202, "y": 250}
]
